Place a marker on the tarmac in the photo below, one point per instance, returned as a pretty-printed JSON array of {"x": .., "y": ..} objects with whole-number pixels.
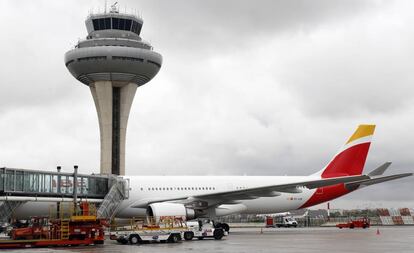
[{"x": 390, "y": 239}]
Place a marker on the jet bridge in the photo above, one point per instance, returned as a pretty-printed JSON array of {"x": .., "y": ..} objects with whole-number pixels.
[{"x": 18, "y": 186}]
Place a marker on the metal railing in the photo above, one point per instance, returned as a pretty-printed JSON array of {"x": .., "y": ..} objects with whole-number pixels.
[{"x": 151, "y": 223}]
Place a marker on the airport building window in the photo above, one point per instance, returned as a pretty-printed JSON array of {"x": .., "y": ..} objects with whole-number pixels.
[
  {"x": 136, "y": 27},
  {"x": 101, "y": 24},
  {"x": 127, "y": 58},
  {"x": 116, "y": 23},
  {"x": 127, "y": 25},
  {"x": 154, "y": 63},
  {"x": 92, "y": 58},
  {"x": 107, "y": 23},
  {"x": 19, "y": 181},
  {"x": 69, "y": 62},
  {"x": 121, "y": 24},
  {"x": 95, "y": 24}
]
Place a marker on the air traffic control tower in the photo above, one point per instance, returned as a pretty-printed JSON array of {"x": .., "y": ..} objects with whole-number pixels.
[{"x": 113, "y": 61}]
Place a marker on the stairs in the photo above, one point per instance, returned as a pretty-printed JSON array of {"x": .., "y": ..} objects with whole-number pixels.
[
  {"x": 118, "y": 192},
  {"x": 7, "y": 208},
  {"x": 64, "y": 229}
]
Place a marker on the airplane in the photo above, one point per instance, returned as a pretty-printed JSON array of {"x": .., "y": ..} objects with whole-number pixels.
[{"x": 214, "y": 196}]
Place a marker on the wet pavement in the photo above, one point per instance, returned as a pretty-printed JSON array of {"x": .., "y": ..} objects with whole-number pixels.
[{"x": 390, "y": 239}]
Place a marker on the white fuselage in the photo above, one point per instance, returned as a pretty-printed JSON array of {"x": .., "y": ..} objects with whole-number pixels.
[{"x": 144, "y": 189}]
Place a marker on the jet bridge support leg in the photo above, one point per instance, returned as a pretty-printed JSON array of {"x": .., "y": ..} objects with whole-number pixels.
[{"x": 7, "y": 208}]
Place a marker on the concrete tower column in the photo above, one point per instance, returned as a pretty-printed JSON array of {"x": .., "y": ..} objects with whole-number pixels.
[
  {"x": 102, "y": 95},
  {"x": 113, "y": 114},
  {"x": 127, "y": 96}
]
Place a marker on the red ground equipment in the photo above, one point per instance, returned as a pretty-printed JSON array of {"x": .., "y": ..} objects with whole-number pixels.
[
  {"x": 38, "y": 228},
  {"x": 359, "y": 223},
  {"x": 270, "y": 222},
  {"x": 67, "y": 226}
]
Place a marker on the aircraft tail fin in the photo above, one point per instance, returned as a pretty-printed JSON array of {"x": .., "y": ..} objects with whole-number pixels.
[{"x": 350, "y": 160}]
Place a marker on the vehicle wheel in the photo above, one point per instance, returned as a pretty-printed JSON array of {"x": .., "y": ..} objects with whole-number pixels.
[
  {"x": 218, "y": 234},
  {"x": 352, "y": 226},
  {"x": 134, "y": 239},
  {"x": 226, "y": 227},
  {"x": 218, "y": 225},
  {"x": 188, "y": 236},
  {"x": 174, "y": 238}
]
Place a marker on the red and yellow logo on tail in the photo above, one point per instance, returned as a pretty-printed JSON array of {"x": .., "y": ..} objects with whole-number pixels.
[
  {"x": 349, "y": 161},
  {"x": 361, "y": 132}
]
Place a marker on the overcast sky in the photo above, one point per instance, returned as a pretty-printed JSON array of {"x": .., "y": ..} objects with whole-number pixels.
[{"x": 246, "y": 88}]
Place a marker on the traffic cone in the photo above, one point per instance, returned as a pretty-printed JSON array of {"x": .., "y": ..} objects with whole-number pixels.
[{"x": 378, "y": 232}]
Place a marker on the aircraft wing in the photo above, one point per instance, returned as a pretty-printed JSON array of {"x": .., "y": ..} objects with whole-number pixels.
[
  {"x": 275, "y": 190},
  {"x": 225, "y": 197},
  {"x": 375, "y": 180}
]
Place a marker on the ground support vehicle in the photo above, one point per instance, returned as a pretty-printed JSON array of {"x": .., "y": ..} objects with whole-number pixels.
[
  {"x": 70, "y": 228},
  {"x": 280, "y": 221},
  {"x": 170, "y": 229},
  {"x": 204, "y": 229},
  {"x": 359, "y": 223}
]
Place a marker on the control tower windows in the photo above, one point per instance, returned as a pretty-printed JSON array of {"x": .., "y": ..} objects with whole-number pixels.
[
  {"x": 136, "y": 27},
  {"x": 107, "y": 23},
  {"x": 95, "y": 24},
  {"x": 121, "y": 24},
  {"x": 117, "y": 23},
  {"x": 127, "y": 25},
  {"x": 101, "y": 24}
]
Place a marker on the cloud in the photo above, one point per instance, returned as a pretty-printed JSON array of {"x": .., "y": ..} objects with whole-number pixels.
[{"x": 359, "y": 67}]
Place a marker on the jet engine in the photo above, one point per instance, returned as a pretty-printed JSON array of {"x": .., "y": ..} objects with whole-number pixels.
[{"x": 158, "y": 210}]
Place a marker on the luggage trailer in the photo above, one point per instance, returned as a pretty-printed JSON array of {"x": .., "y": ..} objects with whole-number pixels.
[{"x": 171, "y": 229}]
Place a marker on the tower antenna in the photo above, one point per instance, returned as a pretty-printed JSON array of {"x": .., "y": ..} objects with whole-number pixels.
[{"x": 113, "y": 8}]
